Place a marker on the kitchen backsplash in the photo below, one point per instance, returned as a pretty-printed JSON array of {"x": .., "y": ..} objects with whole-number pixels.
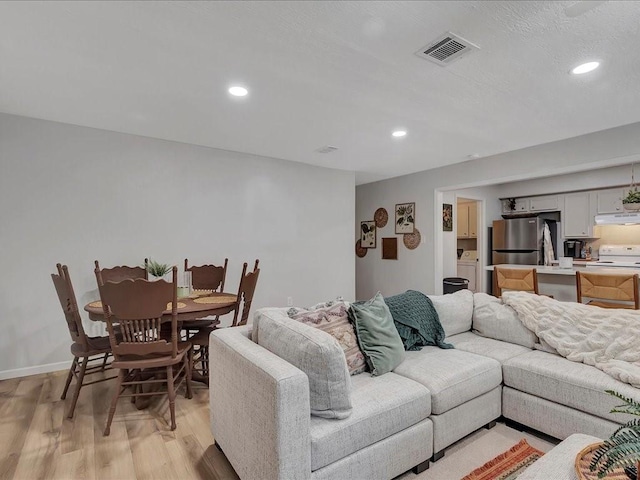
[{"x": 615, "y": 235}]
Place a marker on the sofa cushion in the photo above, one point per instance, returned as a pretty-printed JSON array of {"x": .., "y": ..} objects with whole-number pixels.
[
  {"x": 487, "y": 347},
  {"x": 455, "y": 311},
  {"x": 332, "y": 318},
  {"x": 416, "y": 320},
  {"x": 568, "y": 383},
  {"x": 452, "y": 376},
  {"x": 377, "y": 335},
  {"x": 494, "y": 319},
  {"x": 382, "y": 406},
  {"x": 313, "y": 351}
]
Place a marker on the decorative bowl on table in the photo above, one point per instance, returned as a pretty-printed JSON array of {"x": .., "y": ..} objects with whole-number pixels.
[{"x": 583, "y": 460}]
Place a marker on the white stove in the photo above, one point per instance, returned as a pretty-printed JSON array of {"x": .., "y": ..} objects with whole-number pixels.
[{"x": 627, "y": 256}]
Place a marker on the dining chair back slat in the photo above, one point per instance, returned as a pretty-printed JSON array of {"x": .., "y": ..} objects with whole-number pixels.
[
  {"x": 136, "y": 307},
  {"x": 207, "y": 277}
]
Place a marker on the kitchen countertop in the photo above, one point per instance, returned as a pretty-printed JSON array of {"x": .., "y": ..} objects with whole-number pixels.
[{"x": 555, "y": 270}]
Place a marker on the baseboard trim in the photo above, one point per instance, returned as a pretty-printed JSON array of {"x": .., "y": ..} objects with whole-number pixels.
[{"x": 26, "y": 371}]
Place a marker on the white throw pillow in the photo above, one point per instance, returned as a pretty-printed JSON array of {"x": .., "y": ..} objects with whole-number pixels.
[
  {"x": 494, "y": 319},
  {"x": 316, "y": 353},
  {"x": 455, "y": 311}
]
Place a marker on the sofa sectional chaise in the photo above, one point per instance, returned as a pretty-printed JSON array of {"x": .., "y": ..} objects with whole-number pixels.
[{"x": 261, "y": 403}]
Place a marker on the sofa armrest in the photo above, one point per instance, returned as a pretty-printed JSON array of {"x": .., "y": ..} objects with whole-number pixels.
[{"x": 260, "y": 410}]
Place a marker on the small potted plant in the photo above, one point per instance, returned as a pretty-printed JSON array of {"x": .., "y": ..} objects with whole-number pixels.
[
  {"x": 622, "y": 449},
  {"x": 157, "y": 270},
  {"x": 632, "y": 201}
]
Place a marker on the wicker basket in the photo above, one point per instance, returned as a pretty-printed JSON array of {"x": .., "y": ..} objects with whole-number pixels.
[{"x": 583, "y": 459}]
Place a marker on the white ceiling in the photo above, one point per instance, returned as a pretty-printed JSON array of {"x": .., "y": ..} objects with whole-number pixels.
[{"x": 325, "y": 73}]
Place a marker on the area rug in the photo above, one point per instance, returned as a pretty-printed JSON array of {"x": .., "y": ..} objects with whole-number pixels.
[{"x": 507, "y": 465}]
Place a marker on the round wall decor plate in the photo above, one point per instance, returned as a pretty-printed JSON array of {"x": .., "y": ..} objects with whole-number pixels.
[
  {"x": 381, "y": 217},
  {"x": 360, "y": 251},
  {"x": 412, "y": 240}
]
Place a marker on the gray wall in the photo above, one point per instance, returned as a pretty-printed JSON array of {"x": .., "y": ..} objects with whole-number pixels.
[
  {"x": 73, "y": 194},
  {"x": 422, "y": 269}
]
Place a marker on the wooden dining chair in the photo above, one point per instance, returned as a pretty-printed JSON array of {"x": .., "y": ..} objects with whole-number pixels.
[
  {"x": 143, "y": 352},
  {"x": 608, "y": 290},
  {"x": 246, "y": 290},
  {"x": 119, "y": 273},
  {"x": 204, "y": 277},
  {"x": 521, "y": 279},
  {"x": 84, "y": 349}
]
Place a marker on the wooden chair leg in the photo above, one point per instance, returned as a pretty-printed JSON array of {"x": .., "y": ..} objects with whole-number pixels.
[
  {"x": 104, "y": 361},
  {"x": 172, "y": 396},
  {"x": 114, "y": 401},
  {"x": 188, "y": 360},
  {"x": 80, "y": 379},
  {"x": 69, "y": 377}
]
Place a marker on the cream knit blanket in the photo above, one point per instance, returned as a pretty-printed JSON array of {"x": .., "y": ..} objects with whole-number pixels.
[{"x": 608, "y": 339}]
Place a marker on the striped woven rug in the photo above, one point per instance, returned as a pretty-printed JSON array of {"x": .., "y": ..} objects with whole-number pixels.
[{"x": 507, "y": 465}]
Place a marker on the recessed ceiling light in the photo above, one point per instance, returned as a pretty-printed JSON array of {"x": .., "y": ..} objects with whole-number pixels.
[
  {"x": 585, "y": 68},
  {"x": 399, "y": 133},
  {"x": 238, "y": 91}
]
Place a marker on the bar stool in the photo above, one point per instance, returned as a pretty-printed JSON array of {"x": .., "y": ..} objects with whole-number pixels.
[{"x": 608, "y": 290}]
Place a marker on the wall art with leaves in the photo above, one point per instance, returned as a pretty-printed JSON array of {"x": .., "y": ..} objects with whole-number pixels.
[{"x": 405, "y": 217}]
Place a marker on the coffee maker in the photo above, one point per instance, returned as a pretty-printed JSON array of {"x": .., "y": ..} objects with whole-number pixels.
[{"x": 573, "y": 248}]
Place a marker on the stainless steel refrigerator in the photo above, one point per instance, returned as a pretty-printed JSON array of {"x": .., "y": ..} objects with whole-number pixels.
[{"x": 519, "y": 240}]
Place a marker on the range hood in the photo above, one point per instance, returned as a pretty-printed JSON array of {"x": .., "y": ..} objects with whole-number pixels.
[{"x": 630, "y": 218}]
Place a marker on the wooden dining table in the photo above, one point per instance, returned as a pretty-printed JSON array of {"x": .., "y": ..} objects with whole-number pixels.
[
  {"x": 200, "y": 304},
  {"x": 191, "y": 312}
]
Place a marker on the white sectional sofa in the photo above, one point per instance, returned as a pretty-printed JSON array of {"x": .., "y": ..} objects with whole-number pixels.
[{"x": 261, "y": 415}]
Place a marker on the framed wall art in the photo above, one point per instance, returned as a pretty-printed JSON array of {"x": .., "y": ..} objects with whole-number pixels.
[
  {"x": 447, "y": 217},
  {"x": 390, "y": 248},
  {"x": 368, "y": 234},
  {"x": 405, "y": 217}
]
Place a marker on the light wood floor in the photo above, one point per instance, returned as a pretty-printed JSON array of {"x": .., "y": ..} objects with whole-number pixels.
[{"x": 38, "y": 441}]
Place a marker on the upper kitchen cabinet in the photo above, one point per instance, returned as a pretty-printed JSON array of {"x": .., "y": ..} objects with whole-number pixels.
[
  {"x": 578, "y": 213},
  {"x": 610, "y": 201},
  {"x": 547, "y": 203},
  {"x": 521, "y": 206},
  {"x": 467, "y": 220}
]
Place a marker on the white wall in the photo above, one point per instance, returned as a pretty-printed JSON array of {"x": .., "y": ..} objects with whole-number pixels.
[
  {"x": 73, "y": 194},
  {"x": 422, "y": 269}
]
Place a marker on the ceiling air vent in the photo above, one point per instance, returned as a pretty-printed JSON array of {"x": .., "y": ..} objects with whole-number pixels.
[
  {"x": 446, "y": 49},
  {"x": 326, "y": 149}
]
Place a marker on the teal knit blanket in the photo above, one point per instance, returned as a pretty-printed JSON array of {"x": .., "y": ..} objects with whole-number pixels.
[{"x": 416, "y": 319}]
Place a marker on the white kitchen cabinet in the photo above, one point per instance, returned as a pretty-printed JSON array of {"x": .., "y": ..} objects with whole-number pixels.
[
  {"x": 463, "y": 220},
  {"x": 467, "y": 220},
  {"x": 468, "y": 270},
  {"x": 610, "y": 201},
  {"x": 577, "y": 216},
  {"x": 473, "y": 220},
  {"x": 548, "y": 203},
  {"x": 521, "y": 206}
]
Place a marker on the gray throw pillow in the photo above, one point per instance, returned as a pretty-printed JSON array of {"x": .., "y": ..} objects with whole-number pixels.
[{"x": 377, "y": 335}]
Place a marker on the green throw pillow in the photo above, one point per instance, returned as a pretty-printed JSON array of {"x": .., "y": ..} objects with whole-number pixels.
[{"x": 377, "y": 335}]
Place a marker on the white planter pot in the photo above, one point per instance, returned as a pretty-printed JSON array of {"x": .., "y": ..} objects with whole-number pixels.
[{"x": 631, "y": 207}]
